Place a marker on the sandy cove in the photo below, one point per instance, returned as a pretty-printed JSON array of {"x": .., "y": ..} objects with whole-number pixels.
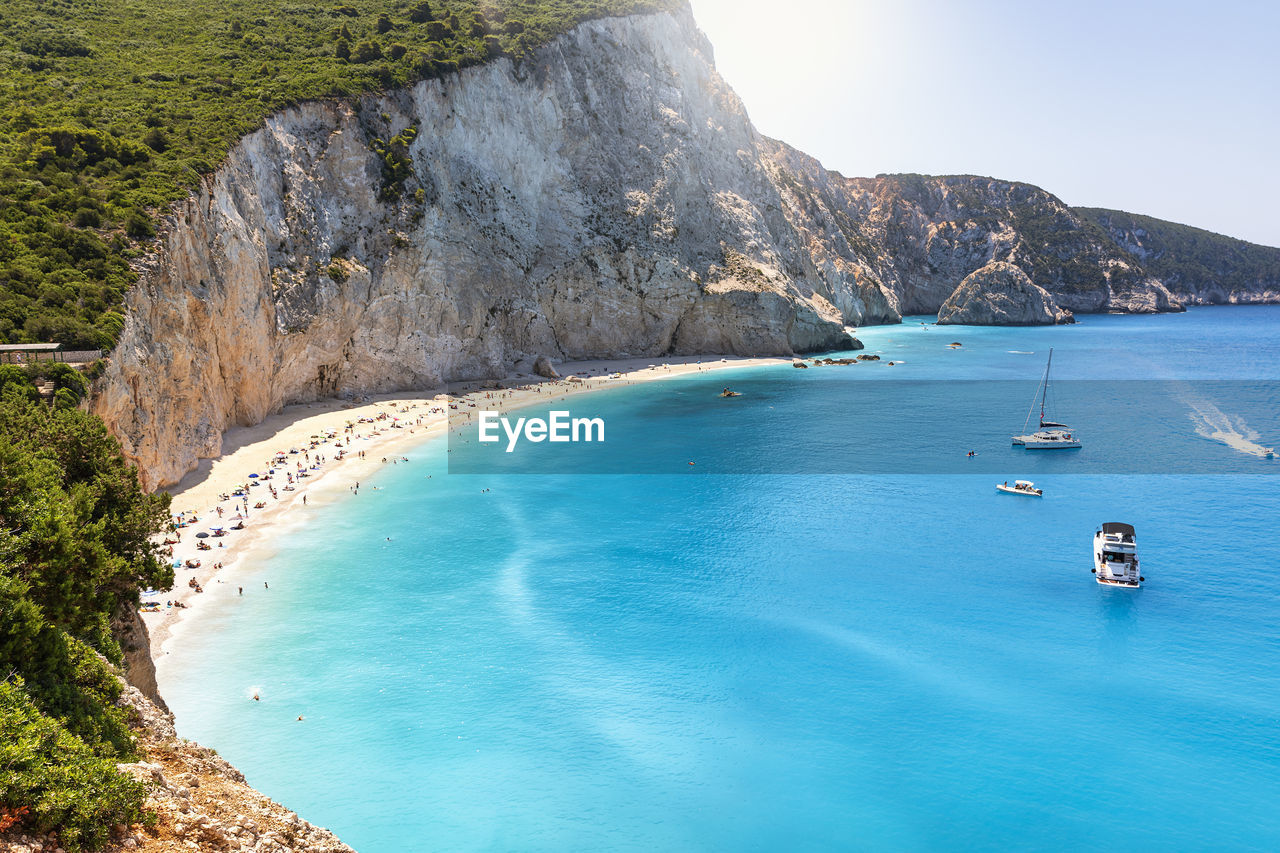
[{"x": 385, "y": 426}]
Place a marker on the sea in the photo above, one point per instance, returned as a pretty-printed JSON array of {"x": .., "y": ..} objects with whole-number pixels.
[{"x": 802, "y": 618}]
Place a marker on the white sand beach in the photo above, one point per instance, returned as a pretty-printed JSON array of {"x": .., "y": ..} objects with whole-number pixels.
[{"x": 384, "y": 427}]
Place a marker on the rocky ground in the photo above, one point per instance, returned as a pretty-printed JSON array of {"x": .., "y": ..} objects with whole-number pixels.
[{"x": 201, "y": 802}]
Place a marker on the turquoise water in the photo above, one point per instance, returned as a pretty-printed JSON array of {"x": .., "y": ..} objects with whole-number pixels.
[{"x": 778, "y": 661}]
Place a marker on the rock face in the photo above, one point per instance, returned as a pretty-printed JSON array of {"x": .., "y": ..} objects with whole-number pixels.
[
  {"x": 1000, "y": 294},
  {"x": 607, "y": 196},
  {"x": 919, "y": 236},
  {"x": 201, "y": 802},
  {"x": 544, "y": 368},
  {"x": 130, "y": 632},
  {"x": 1197, "y": 266}
]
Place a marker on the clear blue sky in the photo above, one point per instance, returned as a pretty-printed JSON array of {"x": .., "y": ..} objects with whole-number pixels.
[{"x": 1169, "y": 109}]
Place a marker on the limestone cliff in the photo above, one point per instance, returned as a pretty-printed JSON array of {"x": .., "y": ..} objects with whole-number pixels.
[
  {"x": 130, "y": 632},
  {"x": 606, "y": 196},
  {"x": 919, "y": 236},
  {"x": 1001, "y": 294},
  {"x": 1198, "y": 266}
]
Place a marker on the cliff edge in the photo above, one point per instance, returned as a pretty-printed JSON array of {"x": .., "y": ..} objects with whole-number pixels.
[{"x": 607, "y": 196}]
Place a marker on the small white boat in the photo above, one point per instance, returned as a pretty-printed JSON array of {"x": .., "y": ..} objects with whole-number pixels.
[
  {"x": 1020, "y": 487},
  {"x": 1115, "y": 556}
]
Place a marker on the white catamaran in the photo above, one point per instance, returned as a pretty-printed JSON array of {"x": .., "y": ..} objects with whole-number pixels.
[
  {"x": 1115, "y": 556},
  {"x": 1050, "y": 435}
]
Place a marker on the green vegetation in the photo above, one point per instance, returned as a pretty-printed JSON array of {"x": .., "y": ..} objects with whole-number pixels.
[
  {"x": 110, "y": 109},
  {"x": 74, "y": 531},
  {"x": 1189, "y": 259}
]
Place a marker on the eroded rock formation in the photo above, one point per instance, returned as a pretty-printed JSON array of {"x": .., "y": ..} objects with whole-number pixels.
[{"x": 1001, "y": 294}]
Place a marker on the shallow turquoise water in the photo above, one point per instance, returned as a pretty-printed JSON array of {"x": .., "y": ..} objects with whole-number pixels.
[{"x": 784, "y": 661}]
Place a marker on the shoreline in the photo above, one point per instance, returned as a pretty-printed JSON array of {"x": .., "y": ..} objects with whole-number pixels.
[{"x": 381, "y": 426}]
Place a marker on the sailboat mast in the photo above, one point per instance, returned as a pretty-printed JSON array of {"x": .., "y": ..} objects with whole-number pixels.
[{"x": 1045, "y": 386}]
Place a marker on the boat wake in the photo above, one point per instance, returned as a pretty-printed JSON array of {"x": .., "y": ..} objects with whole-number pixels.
[
  {"x": 1216, "y": 425},
  {"x": 1020, "y": 352}
]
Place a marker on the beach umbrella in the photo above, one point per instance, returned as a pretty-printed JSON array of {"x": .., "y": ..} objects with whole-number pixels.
[
  {"x": 202, "y": 535},
  {"x": 253, "y": 476}
]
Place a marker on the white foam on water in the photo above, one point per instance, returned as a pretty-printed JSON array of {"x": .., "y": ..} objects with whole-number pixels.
[{"x": 1216, "y": 425}]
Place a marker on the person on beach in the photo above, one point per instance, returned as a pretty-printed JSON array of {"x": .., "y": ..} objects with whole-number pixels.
[{"x": 241, "y": 590}]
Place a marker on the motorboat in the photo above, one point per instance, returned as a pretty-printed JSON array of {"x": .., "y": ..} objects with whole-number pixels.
[
  {"x": 1050, "y": 435},
  {"x": 1020, "y": 487},
  {"x": 1115, "y": 556}
]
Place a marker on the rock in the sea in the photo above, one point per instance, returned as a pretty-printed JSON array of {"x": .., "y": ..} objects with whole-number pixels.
[
  {"x": 543, "y": 367},
  {"x": 1001, "y": 294}
]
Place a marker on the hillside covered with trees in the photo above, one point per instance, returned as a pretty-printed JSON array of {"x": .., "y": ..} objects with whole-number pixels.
[
  {"x": 75, "y": 547},
  {"x": 1192, "y": 262},
  {"x": 109, "y": 109}
]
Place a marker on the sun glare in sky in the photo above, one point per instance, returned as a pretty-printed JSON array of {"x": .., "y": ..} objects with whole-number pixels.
[{"x": 1168, "y": 109}]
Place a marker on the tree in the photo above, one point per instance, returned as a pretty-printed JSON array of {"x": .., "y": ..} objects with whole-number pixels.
[
  {"x": 366, "y": 51},
  {"x": 138, "y": 225},
  {"x": 156, "y": 140},
  {"x": 12, "y": 375},
  {"x": 421, "y": 13},
  {"x": 77, "y": 524},
  {"x": 343, "y": 50},
  {"x": 384, "y": 24}
]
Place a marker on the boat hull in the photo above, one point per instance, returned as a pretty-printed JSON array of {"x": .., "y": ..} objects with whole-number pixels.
[{"x": 1120, "y": 584}]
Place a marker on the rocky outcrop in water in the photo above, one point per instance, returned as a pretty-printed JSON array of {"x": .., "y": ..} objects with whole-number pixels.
[{"x": 1000, "y": 294}]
